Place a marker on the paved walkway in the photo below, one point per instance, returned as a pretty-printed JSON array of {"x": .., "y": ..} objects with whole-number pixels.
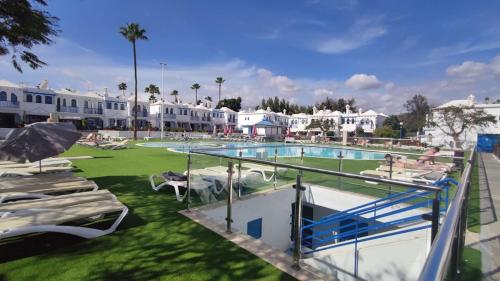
[{"x": 489, "y": 194}]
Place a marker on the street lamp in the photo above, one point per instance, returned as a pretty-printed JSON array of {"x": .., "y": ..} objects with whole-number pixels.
[
  {"x": 161, "y": 98},
  {"x": 400, "y": 130}
]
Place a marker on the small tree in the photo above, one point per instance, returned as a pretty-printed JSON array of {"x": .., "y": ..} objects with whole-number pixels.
[
  {"x": 360, "y": 132},
  {"x": 122, "y": 87},
  {"x": 386, "y": 132},
  {"x": 234, "y": 104},
  {"x": 323, "y": 124},
  {"x": 153, "y": 90},
  {"x": 454, "y": 121},
  {"x": 175, "y": 93}
]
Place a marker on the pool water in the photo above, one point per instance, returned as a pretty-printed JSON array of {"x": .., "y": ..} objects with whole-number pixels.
[{"x": 267, "y": 150}]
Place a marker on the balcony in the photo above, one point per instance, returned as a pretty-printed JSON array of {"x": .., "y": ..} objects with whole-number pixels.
[
  {"x": 9, "y": 104},
  {"x": 141, "y": 114},
  {"x": 68, "y": 109},
  {"x": 92, "y": 110},
  {"x": 195, "y": 118},
  {"x": 205, "y": 119},
  {"x": 166, "y": 116}
]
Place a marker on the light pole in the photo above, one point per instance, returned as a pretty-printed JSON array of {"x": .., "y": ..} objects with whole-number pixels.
[
  {"x": 400, "y": 130},
  {"x": 161, "y": 98}
]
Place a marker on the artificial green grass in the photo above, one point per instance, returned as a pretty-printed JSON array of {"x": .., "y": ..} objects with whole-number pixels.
[
  {"x": 470, "y": 267},
  {"x": 154, "y": 242},
  {"x": 474, "y": 211}
]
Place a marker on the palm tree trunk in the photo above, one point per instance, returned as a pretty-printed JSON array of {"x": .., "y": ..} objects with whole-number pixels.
[
  {"x": 219, "y": 90},
  {"x": 135, "y": 96},
  {"x": 195, "y": 96}
]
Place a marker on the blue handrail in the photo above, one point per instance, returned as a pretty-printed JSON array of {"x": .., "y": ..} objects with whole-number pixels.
[
  {"x": 344, "y": 214},
  {"x": 362, "y": 220}
]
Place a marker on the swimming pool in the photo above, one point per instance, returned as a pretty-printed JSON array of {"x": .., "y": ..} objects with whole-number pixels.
[{"x": 266, "y": 150}]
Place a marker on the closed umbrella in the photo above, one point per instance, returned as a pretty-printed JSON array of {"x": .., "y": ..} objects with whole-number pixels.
[{"x": 38, "y": 141}]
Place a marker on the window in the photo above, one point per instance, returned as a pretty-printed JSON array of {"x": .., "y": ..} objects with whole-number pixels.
[
  {"x": 115, "y": 107},
  {"x": 138, "y": 108},
  {"x": 29, "y": 98},
  {"x": 73, "y": 103},
  {"x": 38, "y": 99},
  {"x": 171, "y": 111},
  {"x": 13, "y": 98},
  {"x": 48, "y": 99},
  {"x": 108, "y": 105},
  {"x": 64, "y": 102},
  {"x": 3, "y": 96},
  {"x": 86, "y": 104},
  {"x": 122, "y": 106}
]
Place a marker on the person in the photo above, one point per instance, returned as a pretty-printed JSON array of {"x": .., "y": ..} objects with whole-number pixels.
[{"x": 429, "y": 156}]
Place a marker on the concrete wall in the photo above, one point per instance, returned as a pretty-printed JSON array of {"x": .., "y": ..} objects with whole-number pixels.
[{"x": 274, "y": 209}]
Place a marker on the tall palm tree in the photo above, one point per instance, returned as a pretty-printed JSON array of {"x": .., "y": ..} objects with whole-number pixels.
[
  {"x": 133, "y": 32},
  {"x": 152, "y": 89},
  {"x": 195, "y": 87},
  {"x": 175, "y": 93},
  {"x": 219, "y": 80},
  {"x": 122, "y": 87}
]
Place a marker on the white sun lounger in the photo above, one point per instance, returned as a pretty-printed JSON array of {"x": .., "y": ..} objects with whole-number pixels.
[
  {"x": 32, "y": 171},
  {"x": 44, "y": 190},
  {"x": 39, "y": 179},
  {"x": 48, "y": 214},
  {"x": 196, "y": 184},
  {"x": 425, "y": 177},
  {"x": 113, "y": 145},
  {"x": 262, "y": 169},
  {"x": 44, "y": 163}
]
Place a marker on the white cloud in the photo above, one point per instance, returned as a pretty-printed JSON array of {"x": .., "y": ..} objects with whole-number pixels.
[
  {"x": 359, "y": 34},
  {"x": 322, "y": 93},
  {"x": 468, "y": 70},
  {"x": 363, "y": 82},
  {"x": 389, "y": 86},
  {"x": 282, "y": 83}
]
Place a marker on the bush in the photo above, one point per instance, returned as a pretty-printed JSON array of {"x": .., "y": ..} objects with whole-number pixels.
[{"x": 386, "y": 132}]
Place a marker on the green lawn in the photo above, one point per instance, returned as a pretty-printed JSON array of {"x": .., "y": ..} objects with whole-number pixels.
[{"x": 154, "y": 242}]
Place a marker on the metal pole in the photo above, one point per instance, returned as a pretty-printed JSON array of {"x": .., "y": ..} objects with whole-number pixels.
[
  {"x": 162, "y": 99},
  {"x": 302, "y": 155},
  {"x": 189, "y": 181},
  {"x": 229, "y": 195},
  {"x": 275, "y": 167},
  {"x": 435, "y": 217},
  {"x": 239, "y": 174},
  {"x": 297, "y": 222},
  {"x": 390, "y": 171},
  {"x": 340, "y": 169}
]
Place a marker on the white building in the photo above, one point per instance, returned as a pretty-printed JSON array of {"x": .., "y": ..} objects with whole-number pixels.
[
  {"x": 485, "y": 137},
  {"x": 21, "y": 104},
  {"x": 348, "y": 120},
  {"x": 265, "y": 123}
]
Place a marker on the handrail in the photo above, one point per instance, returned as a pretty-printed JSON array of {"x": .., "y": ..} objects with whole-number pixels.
[
  {"x": 436, "y": 265},
  {"x": 322, "y": 171}
]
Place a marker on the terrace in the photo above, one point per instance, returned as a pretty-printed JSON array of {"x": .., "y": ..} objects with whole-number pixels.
[{"x": 154, "y": 241}]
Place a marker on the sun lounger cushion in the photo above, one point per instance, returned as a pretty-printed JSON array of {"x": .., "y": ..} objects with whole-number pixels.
[{"x": 173, "y": 176}]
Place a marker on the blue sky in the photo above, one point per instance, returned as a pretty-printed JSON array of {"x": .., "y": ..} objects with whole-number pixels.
[{"x": 379, "y": 52}]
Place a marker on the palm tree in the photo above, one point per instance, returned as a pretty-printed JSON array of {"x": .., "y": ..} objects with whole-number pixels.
[
  {"x": 195, "y": 87},
  {"x": 152, "y": 89},
  {"x": 133, "y": 32},
  {"x": 175, "y": 93},
  {"x": 219, "y": 80},
  {"x": 122, "y": 87}
]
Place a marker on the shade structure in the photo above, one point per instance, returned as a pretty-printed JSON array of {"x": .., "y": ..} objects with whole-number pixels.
[{"x": 38, "y": 141}]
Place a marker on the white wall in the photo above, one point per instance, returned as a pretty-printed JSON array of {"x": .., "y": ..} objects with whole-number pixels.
[{"x": 274, "y": 209}]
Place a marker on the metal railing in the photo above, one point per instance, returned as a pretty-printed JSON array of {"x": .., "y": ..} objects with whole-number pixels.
[
  {"x": 92, "y": 110},
  {"x": 9, "y": 104},
  {"x": 234, "y": 164},
  {"x": 446, "y": 251},
  {"x": 68, "y": 109}
]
